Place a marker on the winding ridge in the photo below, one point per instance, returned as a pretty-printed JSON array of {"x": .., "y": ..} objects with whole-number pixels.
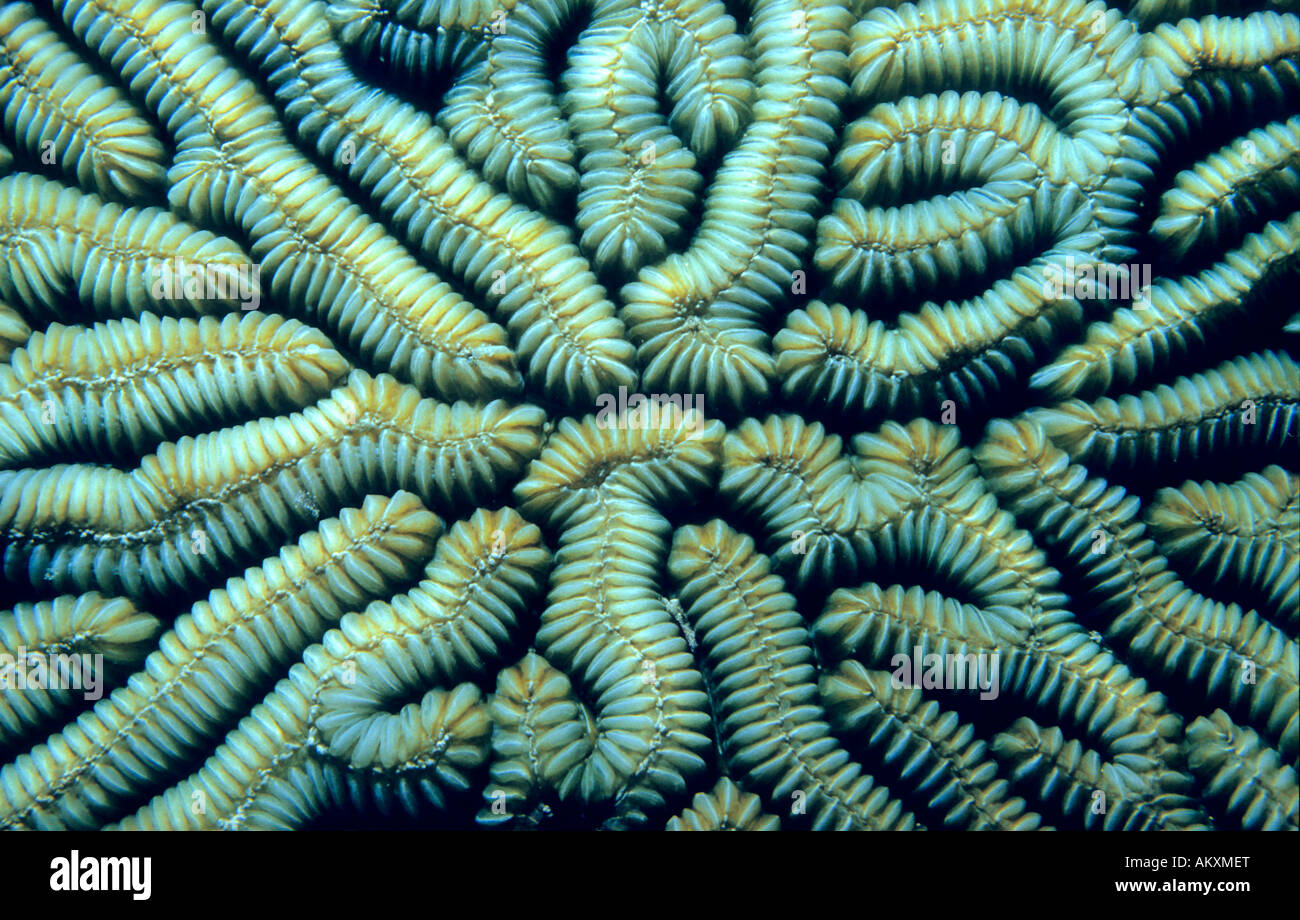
[{"x": 783, "y": 414}]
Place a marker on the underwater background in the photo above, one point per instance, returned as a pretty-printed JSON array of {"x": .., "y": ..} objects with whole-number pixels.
[{"x": 599, "y": 414}]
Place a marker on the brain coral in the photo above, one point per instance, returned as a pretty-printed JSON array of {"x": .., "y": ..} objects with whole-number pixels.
[{"x": 706, "y": 415}]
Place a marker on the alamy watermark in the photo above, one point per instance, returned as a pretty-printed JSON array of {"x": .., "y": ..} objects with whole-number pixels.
[
  {"x": 1098, "y": 280},
  {"x": 75, "y": 872},
  {"x": 178, "y": 279},
  {"x": 932, "y": 671},
  {"x": 658, "y": 410},
  {"x": 34, "y": 670}
]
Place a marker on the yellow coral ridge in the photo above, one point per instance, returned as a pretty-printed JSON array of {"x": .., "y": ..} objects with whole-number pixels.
[
  {"x": 1250, "y": 529},
  {"x": 119, "y": 388},
  {"x": 1088, "y": 791},
  {"x": 414, "y": 44},
  {"x": 337, "y": 721},
  {"x": 648, "y": 456},
  {"x": 208, "y": 664},
  {"x": 1231, "y": 654},
  {"x": 792, "y": 476},
  {"x": 1083, "y": 58},
  {"x": 724, "y": 808},
  {"x": 63, "y": 631},
  {"x": 1259, "y": 790},
  {"x": 194, "y": 507},
  {"x": 928, "y": 749},
  {"x": 1210, "y": 201},
  {"x": 950, "y": 526},
  {"x": 1064, "y": 673},
  {"x": 14, "y": 331},
  {"x": 1148, "y": 13},
  {"x": 1191, "y": 50},
  {"x": 1251, "y": 402},
  {"x": 59, "y": 111},
  {"x": 933, "y": 267},
  {"x": 318, "y": 251},
  {"x": 760, "y": 667},
  {"x": 519, "y": 260},
  {"x": 56, "y": 242},
  {"x": 695, "y": 316},
  {"x": 605, "y": 624},
  {"x": 638, "y": 177},
  {"x": 1176, "y": 318},
  {"x": 503, "y": 115},
  {"x": 540, "y": 733},
  {"x": 1046, "y": 653},
  {"x": 888, "y": 245},
  {"x": 1084, "y": 47}
]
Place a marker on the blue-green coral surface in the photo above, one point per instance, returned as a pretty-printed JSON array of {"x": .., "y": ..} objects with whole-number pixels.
[{"x": 613, "y": 414}]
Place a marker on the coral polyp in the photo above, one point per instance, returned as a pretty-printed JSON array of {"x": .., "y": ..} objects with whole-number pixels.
[{"x": 649, "y": 414}]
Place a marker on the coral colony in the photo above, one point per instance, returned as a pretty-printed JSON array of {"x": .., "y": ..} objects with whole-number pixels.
[{"x": 354, "y": 367}]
